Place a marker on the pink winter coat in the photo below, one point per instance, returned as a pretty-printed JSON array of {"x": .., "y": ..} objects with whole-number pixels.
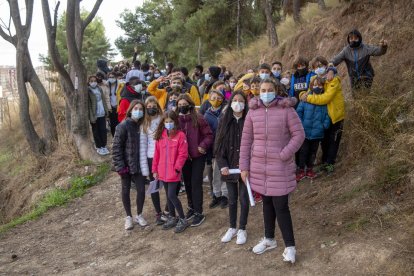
[
  {"x": 169, "y": 156},
  {"x": 271, "y": 137}
]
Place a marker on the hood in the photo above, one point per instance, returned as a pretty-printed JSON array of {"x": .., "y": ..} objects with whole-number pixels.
[
  {"x": 129, "y": 92},
  {"x": 215, "y": 71},
  {"x": 102, "y": 64},
  {"x": 354, "y": 32},
  {"x": 256, "y": 103}
]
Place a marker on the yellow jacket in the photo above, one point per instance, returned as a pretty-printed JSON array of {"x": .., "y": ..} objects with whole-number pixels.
[
  {"x": 161, "y": 94},
  {"x": 239, "y": 85},
  {"x": 119, "y": 89},
  {"x": 333, "y": 99}
]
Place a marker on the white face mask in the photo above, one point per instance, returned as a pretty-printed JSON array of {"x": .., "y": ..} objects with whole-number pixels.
[
  {"x": 93, "y": 84},
  {"x": 138, "y": 88},
  {"x": 157, "y": 76},
  {"x": 237, "y": 106},
  {"x": 284, "y": 81},
  {"x": 232, "y": 85},
  {"x": 111, "y": 80}
]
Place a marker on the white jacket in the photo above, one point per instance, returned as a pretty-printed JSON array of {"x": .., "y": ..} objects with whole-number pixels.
[{"x": 150, "y": 136}]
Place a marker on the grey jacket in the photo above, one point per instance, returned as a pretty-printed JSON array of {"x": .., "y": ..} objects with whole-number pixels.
[{"x": 357, "y": 61}]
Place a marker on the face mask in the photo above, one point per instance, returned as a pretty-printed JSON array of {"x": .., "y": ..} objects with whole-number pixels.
[
  {"x": 216, "y": 103},
  {"x": 255, "y": 92},
  {"x": 284, "y": 81},
  {"x": 302, "y": 72},
  {"x": 175, "y": 86},
  {"x": 267, "y": 97},
  {"x": 317, "y": 90},
  {"x": 320, "y": 71},
  {"x": 93, "y": 84},
  {"x": 237, "y": 106},
  {"x": 232, "y": 85},
  {"x": 137, "y": 114},
  {"x": 355, "y": 44},
  {"x": 276, "y": 73},
  {"x": 157, "y": 75},
  {"x": 207, "y": 77},
  {"x": 184, "y": 109},
  {"x": 111, "y": 80},
  {"x": 138, "y": 88},
  {"x": 99, "y": 80},
  {"x": 169, "y": 126},
  {"x": 264, "y": 76},
  {"x": 152, "y": 111}
]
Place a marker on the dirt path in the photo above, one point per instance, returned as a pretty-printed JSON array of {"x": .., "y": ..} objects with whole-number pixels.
[{"x": 87, "y": 238}]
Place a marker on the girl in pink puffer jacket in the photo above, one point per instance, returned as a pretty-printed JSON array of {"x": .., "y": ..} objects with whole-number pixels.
[{"x": 272, "y": 134}]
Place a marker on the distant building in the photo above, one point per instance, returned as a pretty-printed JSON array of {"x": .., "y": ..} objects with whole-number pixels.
[{"x": 8, "y": 81}]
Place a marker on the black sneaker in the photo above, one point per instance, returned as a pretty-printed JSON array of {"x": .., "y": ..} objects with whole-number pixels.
[
  {"x": 171, "y": 223},
  {"x": 159, "y": 220},
  {"x": 189, "y": 215},
  {"x": 224, "y": 202},
  {"x": 216, "y": 202},
  {"x": 198, "y": 220},
  {"x": 181, "y": 225}
]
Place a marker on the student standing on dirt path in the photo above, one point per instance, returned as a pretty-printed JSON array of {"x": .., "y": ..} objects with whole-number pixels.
[
  {"x": 356, "y": 56},
  {"x": 271, "y": 136},
  {"x": 130, "y": 160}
]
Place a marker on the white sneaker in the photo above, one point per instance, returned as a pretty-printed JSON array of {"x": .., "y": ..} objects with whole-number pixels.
[
  {"x": 231, "y": 233},
  {"x": 241, "y": 237},
  {"x": 129, "y": 225},
  {"x": 105, "y": 151},
  {"x": 264, "y": 245},
  {"x": 205, "y": 179},
  {"x": 100, "y": 151},
  {"x": 289, "y": 255},
  {"x": 140, "y": 220}
]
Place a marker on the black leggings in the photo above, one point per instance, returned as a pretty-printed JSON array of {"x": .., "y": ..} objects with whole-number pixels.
[
  {"x": 154, "y": 196},
  {"x": 139, "y": 181},
  {"x": 331, "y": 141},
  {"x": 307, "y": 153},
  {"x": 99, "y": 132},
  {"x": 193, "y": 179},
  {"x": 113, "y": 119},
  {"x": 277, "y": 207},
  {"x": 173, "y": 202},
  {"x": 236, "y": 191}
]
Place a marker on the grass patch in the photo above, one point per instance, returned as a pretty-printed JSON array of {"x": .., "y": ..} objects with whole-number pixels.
[
  {"x": 358, "y": 224},
  {"x": 59, "y": 197}
]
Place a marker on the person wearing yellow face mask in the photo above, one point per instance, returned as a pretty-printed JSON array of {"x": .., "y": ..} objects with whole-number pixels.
[
  {"x": 255, "y": 87},
  {"x": 212, "y": 116}
]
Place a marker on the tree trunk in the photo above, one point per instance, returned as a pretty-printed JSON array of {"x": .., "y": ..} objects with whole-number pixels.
[
  {"x": 199, "y": 51},
  {"x": 238, "y": 30},
  {"x": 296, "y": 11},
  {"x": 321, "y": 4},
  {"x": 271, "y": 28}
]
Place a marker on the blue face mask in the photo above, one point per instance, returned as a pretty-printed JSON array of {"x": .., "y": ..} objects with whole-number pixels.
[
  {"x": 169, "y": 126},
  {"x": 264, "y": 76},
  {"x": 137, "y": 114},
  {"x": 267, "y": 97},
  {"x": 320, "y": 71},
  {"x": 276, "y": 74}
]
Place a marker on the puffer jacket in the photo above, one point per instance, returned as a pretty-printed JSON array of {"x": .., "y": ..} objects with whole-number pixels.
[
  {"x": 271, "y": 137},
  {"x": 315, "y": 119},
  {"x": 129, "y": 148},
  {"x": 332, "y": 98},
  {"x": 200, "y": 136},
  {"x": 162, "y": 94},
  {"x": 228, "y": 155},
  {"x": 170, "y": 156},
  {"x": 358, "y": 59}
]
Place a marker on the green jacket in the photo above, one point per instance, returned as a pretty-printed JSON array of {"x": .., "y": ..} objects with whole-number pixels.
[{"x": 92, "y": 103}]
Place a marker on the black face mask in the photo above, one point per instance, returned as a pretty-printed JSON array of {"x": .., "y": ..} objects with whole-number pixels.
[
  {"x": 302, "y": 72},
  {"x": 99, "y": 80},
  {"x": 184, "y": 109},
  {"x": 152, "y": 111},
  {"x": 355, "y": 44}
]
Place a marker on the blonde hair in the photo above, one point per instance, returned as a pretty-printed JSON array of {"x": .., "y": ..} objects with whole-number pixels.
[{"x": 147, "y": 121}]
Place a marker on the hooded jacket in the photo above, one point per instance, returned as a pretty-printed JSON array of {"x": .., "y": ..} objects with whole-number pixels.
[
  {"x": 162, "y": 94},
  {"x": 358, "y": 59},
  {"x": 271, "y": 137},
  {"x": 128, "y": 94}
]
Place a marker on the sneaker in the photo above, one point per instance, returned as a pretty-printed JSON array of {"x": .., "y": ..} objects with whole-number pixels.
[
  {"x": 189, "y": 215},
  {"x": 310, "y": 173},
  {"x": 171, "y": 223},
  {"x": 264, "y": 245},
  {"x": 205, "y": 179},
  {"x": 159, "y": 220},
  {"x": 141, "y": 221},
  {"x": 241, "y": 237},
  {"x": 198, "y": 220},
  {"x": 182, "y": 189},
  {"x": 216, "y": 202},
  {"x": 164, "y": 217},
  {"x": 129, "y": 225},
  {"x": 231, "y": 233},
  {"x": 300, "y": 175},
  {"x": 258, "y": 198},
  {"x": 181, "y": 225},
  {"x": 330, "y": 168},
  {"x": 105, "y": 151},
  {"x": 100, "y": 152},
  {"x": 289, "y": 255},
  {"x": 224, "y": 202}
]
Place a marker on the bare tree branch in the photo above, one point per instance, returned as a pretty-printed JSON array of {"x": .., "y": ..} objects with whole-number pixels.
[
  {"x": 15, "y": 14},
  {"x": 92, "y": 14},
  {"x": 29, "y": 15},
  {"x": 8, "y": 38}
]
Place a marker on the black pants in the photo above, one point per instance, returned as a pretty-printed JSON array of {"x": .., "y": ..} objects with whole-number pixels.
[
  {"x": 154, "y": 196},
  {"x": 361, "y": 87},
  {"x": 307, "y": 153},
  {"x": 173, "y": 202},
  {"x": 99, "y": 132},
  {"x": 277, "y": 207},
  {"x": 113, "y": 120},
  {"x": 193, "y": 180},
  {"x": 139, "y": 181},
  {"x": 177, "y": 192},
  {"x": 331, "y": 141},
  {"x": 238, "y": 190}
]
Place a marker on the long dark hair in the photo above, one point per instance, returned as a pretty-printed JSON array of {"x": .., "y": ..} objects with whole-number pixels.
[
  {"x": 193, "y": 112},
  {"x": 131, "y": 106},
  {"x": 173, "y": 116},
  {"x": 222, "y": 132}
]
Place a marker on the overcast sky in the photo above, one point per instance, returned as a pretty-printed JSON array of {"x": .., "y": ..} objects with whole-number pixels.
[{"x": 109, "y": 12}]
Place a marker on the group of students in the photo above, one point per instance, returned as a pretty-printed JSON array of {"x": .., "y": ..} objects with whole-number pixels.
[{"x": 267, "y": 123}]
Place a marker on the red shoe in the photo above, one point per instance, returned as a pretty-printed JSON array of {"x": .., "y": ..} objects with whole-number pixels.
[
  {"x": 257, "y": 198},
  {"x": 300, "y": 175},
  {"x": 310, "y": 173}
]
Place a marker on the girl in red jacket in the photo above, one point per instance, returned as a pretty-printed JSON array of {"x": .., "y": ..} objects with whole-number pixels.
[{"x": 171, "y": 152}]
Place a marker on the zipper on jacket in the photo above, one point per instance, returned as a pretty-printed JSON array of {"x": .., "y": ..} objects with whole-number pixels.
[
  {"x": 266, "y": 152},
  {"x": 166, "y": 161},
  {"x": 356, "y": 62}
]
